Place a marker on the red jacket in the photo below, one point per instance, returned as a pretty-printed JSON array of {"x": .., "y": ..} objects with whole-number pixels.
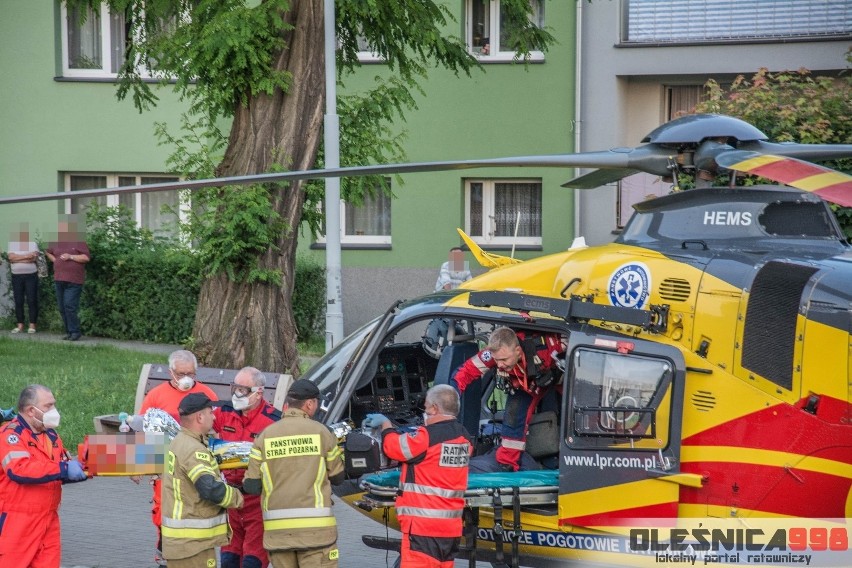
[
  {"x": 167, "y": 398},
  {"x": 31, "y": 475},
  {"x": 546, "y": 348},
  {"x": 433, "y": 478},
  {"x": 242, "y": 426}
]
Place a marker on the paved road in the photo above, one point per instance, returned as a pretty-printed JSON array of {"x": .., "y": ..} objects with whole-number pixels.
[{"x": 106, "y": 523}]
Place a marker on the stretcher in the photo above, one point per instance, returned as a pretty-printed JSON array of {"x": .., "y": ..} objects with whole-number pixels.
[{"x": 495, "y": 491}]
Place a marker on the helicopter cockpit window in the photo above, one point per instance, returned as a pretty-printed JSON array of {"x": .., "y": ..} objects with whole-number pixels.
[{"x": 618, "y": 396}]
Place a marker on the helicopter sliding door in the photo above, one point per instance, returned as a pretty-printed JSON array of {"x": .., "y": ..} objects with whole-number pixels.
[{"x": 620, "y": 452}]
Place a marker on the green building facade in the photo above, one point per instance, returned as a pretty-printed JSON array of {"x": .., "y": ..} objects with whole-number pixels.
[{"x": 64, "y": 129}]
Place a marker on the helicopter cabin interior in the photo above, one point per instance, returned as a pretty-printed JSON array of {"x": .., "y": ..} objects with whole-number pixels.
[{"x": 616, "y": 398}]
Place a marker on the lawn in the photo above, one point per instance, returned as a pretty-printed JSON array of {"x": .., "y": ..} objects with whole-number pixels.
[{"x": 87, "y": 380}]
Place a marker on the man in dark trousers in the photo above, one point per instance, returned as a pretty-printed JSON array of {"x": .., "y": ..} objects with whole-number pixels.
[
  {"x": 526, "y": 368},
  {"x": 242, "y": 420},
  {"x": 434, "y": 461}
]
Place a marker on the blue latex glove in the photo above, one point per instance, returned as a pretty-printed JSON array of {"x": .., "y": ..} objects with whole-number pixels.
[
  {"x": 374, "y": 421},
  {"x": 75, "y": 471}
]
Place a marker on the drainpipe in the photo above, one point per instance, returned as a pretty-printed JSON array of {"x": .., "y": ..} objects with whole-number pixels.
[{"x": 578, "y": 99}]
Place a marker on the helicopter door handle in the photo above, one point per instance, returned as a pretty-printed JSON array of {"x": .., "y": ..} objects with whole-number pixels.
[{"x": 685, "y": 244}]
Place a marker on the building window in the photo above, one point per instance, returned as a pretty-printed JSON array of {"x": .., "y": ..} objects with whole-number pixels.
[
  {"x": 93, "y": 43},
  {"x": 367, "y": 223},
  {"x": 503, "y": 211},
  {"x": 366, "y": 53},
  {"x": 152, "y": 210},
  {"x": 679, "y": 100},
  {"x": 689, "y": 21},
  {"x": 490, "y": 36}
]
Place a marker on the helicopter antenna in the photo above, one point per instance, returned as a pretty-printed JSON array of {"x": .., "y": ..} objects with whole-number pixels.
[{"x": 514, "y": 240}]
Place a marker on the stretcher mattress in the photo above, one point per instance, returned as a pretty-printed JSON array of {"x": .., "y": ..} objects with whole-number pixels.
[{"x": 483, "y": 489}]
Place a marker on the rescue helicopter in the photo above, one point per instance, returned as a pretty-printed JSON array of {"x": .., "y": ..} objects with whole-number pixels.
[{"x": 708, "y": 369}]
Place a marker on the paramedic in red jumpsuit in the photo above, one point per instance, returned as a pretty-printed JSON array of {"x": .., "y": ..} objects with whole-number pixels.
[
  {"x": 33, "y": 467},
  {"x": 241, "y": 421},
  {"x": 433, "y": 479},
  {"x": 526, "y": 366}
]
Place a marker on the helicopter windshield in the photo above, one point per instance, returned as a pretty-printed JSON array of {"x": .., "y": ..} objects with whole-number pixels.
[{"x": 326, "y": 372}]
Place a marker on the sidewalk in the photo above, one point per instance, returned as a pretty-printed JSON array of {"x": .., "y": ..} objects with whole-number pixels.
[{"x": 106, "y": 521}]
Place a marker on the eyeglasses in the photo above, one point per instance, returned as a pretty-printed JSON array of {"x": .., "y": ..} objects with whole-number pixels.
[
  {"x": 179, "y": 376},
  {"x": 241, "y": 391}
]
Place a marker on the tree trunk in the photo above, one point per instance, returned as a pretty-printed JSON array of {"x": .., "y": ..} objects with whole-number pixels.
[{"x": 239, "y": 324}]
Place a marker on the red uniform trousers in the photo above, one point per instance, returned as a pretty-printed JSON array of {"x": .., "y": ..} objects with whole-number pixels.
[
  {"x": 30, "y": 539},
  {"x": 247, "y": 539}
]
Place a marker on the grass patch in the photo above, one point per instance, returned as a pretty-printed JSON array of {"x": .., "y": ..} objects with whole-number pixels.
[{"x": 87, "y": 380}]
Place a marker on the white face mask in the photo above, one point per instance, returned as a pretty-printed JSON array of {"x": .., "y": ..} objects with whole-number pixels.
[
  {"x": 239, "y": 402},
  {"x": 185, "y": 383},
  {"x": 425, "y": 416},
  {"x": 49, "y": 419}
]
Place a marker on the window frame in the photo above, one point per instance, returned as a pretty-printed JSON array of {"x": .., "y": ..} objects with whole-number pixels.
[
  {"x": 496, "y": 55},
  {"x": 488, "y": 203},
  {"x": 368, "y": 240},
  {"x": 112, "y": 180}
]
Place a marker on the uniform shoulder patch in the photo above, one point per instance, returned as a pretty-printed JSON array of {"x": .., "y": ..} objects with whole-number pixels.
[
  {"x": 485, "y": 355},
  {"x": 203, "y": 456},
  {"x": 13, "y": 439}
]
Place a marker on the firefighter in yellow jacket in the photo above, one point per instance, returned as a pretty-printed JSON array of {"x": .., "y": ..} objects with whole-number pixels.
[
  {"x": 194, "y": 496},
  {"x": 294, "y": 462}
]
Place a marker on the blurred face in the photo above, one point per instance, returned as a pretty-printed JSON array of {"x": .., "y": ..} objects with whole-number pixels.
[
  {"x": 456, "y": 259},
  {"x": 506, "y": 357}
]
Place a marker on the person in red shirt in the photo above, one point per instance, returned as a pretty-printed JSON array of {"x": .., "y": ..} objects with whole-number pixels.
[
  {"x": 183, "y": 368},
  {"x": 433, "y": 479},
  {"x": 241, "y": 421},
  {"x": 33, "y": 467},
  {"x": 69, "y": 255},
  {"x": 526, "y": 368}
]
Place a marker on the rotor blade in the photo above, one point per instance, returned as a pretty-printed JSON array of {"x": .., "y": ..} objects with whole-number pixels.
[
  {"x": 598, "y": 178},
  {"x": 829, "y": 184},
  {"x": 645, "y": 158},
  {"x": 809, "y": 152}
]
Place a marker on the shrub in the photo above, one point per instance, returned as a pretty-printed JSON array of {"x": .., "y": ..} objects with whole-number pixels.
[{"x": 142, "y": 288}]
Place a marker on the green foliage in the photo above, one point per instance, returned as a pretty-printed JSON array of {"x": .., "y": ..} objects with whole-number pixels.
[
  {"x": 137, "y": 287},
  {"x": 309, "y": 297},
  {"x": 790, "y": 106}
]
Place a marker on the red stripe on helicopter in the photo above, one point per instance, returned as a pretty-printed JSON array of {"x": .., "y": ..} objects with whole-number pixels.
[
  {"x": 787, "y": 428},
  {"x": 840, "y": 193},
  {"x": 775, "y": 490},
  {"x": 623, "y": 517}
]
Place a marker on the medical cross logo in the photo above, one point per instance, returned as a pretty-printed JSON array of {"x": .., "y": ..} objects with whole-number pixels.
[{"x": 630, "y": 285}]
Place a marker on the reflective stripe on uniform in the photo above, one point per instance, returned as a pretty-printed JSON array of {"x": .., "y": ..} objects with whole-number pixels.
[
  {"x": 319, "y": 481},
  {"x": 195, "y": 523},
  {"x": 303, "y": 523},
  {"x": 229, "y": 496},
  {"x": 266, "y": 480},
  {"x": 199, "y": 470},
  {"x": 430, "y": 490},
  {"x": 510, "y": 444},
  {"x": 429, "y": 513},
  {"x": 177, "y": 510},
  {"x": 255, "y": 454},
  {"x": 14, "y": 456},
  {"x": 194, "y": 534},
  {"x": 334, "y": 454},
  {"x": 404, "y": 448},
  {"x": 297, "y": 513},
  {"x": 480, "y": 365}
]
